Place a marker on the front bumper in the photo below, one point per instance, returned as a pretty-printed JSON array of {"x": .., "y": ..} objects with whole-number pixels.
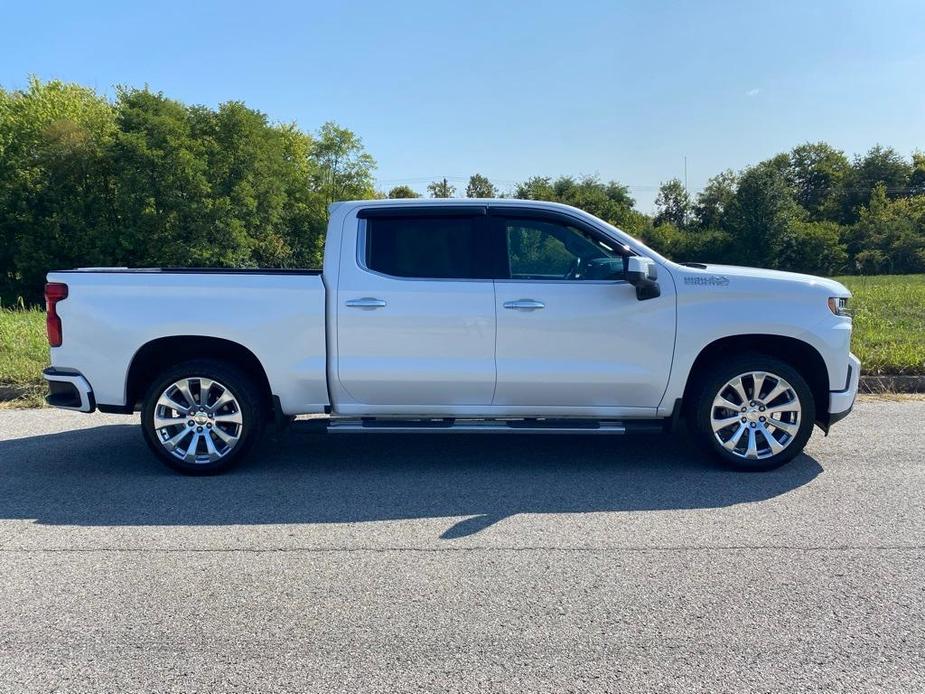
[
  {"x": 69, "y": 390},
  {"x": 841, "y": 401}
]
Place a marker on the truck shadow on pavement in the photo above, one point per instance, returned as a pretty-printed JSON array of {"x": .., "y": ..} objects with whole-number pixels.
[{"x": 106, "y": 476}]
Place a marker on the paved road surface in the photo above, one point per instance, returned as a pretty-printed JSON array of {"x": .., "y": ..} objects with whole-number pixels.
[{"x": 441, "y": 563}]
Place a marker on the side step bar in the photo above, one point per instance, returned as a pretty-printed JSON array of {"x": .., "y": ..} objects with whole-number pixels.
[{"x": 488, "y": 426}]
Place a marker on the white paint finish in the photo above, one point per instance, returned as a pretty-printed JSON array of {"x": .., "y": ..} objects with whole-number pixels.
[
  {"x": 843, "y": 400},
  {"x": 489, "y": 411},
  {"x": 432, "y": 343},
  {"x": 593, "y": 344},
  {"x": 756, "y": 302},
  {"x": 108, "y": 317}
]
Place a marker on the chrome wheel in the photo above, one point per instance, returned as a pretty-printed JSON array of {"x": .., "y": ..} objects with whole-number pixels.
[
  {"x": 198, "y": 420},
  {"x": 756, "y": 415}
]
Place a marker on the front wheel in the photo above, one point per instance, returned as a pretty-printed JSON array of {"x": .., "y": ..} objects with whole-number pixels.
[
  {"x": 753, "y": 412},
  {"x": 201, "y": 416}
]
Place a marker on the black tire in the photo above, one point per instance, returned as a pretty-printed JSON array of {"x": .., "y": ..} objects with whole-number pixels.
[
  {"x": 709, "y": 386},
  {"x": 247, "y": 401}
]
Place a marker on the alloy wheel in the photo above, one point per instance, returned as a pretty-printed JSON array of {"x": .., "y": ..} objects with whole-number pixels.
[
  {"x": 198, "y": 420},
  {"x": 756, "y": 415}
]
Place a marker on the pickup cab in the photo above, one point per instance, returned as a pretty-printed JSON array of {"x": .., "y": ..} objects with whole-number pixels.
[{"x": 502, "y": 316}]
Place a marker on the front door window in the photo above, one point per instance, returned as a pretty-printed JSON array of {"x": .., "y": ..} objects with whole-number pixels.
[{"x": 548, "y": 250}]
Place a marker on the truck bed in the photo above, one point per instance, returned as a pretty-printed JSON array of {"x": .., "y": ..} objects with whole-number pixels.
[{"x": 111, "y": 314}]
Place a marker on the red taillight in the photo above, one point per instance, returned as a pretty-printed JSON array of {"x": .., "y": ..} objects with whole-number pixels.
[{"x": 54, "y": 292}]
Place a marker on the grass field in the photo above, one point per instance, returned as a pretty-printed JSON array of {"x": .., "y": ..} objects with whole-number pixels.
[
  {"x": 889, "y": 335},
  {"x": 23, "y": 355},
  {"x": 889, "y": 322}
]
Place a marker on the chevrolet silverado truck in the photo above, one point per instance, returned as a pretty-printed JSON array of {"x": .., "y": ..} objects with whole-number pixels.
[{"x": 502, "y": 316}]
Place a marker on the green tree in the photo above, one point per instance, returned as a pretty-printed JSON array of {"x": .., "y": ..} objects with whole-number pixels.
[
  {"x": 881, "y": 165},
  {"x": 54, "y": 186},
  {"x": 165, "y": 199},
  {"x": 890, "y": 235},
  {"x": 300, "y": 227},
  {"x": 257, "y": 194},
  {"x": 761, "y": 213},
  {"x": 715, "y": 198},
  {"x": 814, "y": 247},
  {"x": 403, "y": 192},
  {"x": 817, "y": 172},
  {"x": 673, "y": 204},
  {"x": 480, "y": 187},
  {"x": 535, "y": 188},
  {"x": 917, "y": 178},
  {"x": 441, "y": 189},
  {"x": 689, "y": 245},
  {"x": 343, "y": 168},
  {"x": 147, "y": 180},
  {"x": 609, "y": 201}
]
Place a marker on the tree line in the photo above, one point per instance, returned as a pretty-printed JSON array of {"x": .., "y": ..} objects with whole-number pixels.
[
  {"x": 808, "y": 210},
  {"x": 144, "y": 180}
]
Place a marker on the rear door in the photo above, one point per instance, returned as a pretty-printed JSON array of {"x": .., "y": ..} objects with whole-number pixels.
[
  {"x": 571, "y": 332},
  {"x": 416, "y": 309}
]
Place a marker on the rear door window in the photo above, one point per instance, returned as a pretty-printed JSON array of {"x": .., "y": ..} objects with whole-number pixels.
[{"x": 439, "y": 247}]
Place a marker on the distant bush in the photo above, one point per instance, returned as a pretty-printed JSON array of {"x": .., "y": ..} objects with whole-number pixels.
[
  {"x": 813, "y": 247},
  {"x": 697, "y": 245}
]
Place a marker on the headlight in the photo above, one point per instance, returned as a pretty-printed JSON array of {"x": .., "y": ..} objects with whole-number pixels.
[{"x": 839, "y": 306}]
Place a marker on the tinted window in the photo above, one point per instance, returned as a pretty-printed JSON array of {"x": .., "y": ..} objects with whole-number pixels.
[
  {"x": 539, "y": 249},
  {"x": 428, "y": 247}
]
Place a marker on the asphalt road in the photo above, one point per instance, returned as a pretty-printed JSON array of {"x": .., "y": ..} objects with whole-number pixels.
[{"x": 440, "y": 563}]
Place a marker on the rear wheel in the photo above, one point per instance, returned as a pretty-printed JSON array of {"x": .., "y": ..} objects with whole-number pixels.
[
  {"x": 753, "y": 412},
  {"x": 201, "y": 416}
]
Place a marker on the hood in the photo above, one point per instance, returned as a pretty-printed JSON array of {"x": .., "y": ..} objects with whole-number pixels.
[{"x": 832, "y": 287}]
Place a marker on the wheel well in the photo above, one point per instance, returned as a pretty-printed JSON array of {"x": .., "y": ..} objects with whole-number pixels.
[
  {"x": 800, "y": 355},
  {"x": 159, "y": 354}
]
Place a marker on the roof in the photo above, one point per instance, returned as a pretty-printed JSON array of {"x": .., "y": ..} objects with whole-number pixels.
[
  {"x": 348, "y": 206},
  {"x": 459, "y": 202}
]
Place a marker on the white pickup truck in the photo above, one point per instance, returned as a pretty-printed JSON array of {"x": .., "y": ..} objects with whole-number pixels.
[{"x": 457, "y": 316}]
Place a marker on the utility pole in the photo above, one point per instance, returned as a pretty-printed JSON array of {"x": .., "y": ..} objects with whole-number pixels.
[
  {"x": 685, "y": 174},
  {"x": 440, "y": 189}
]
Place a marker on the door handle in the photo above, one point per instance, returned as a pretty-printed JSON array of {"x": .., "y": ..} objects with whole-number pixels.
[
  {"x": 365, "y": 302},
  {"x": 524, "y": 305}
]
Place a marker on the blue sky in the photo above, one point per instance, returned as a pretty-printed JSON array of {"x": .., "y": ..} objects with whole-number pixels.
[{"x": 625, "y": 90}]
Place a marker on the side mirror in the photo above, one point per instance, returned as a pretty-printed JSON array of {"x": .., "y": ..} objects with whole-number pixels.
[{"x": 642, "y": 273}]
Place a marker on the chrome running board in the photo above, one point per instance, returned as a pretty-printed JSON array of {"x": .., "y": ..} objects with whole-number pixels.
[{"x": 449, "y": 425}]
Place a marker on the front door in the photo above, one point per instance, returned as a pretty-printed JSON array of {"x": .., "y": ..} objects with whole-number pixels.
[{"x": 571, "y": 332}]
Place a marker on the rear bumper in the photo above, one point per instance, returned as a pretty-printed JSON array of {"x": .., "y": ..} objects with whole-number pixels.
[
  {"x": 841, "y": 401},
  {"x": 68, "y": 390}
]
